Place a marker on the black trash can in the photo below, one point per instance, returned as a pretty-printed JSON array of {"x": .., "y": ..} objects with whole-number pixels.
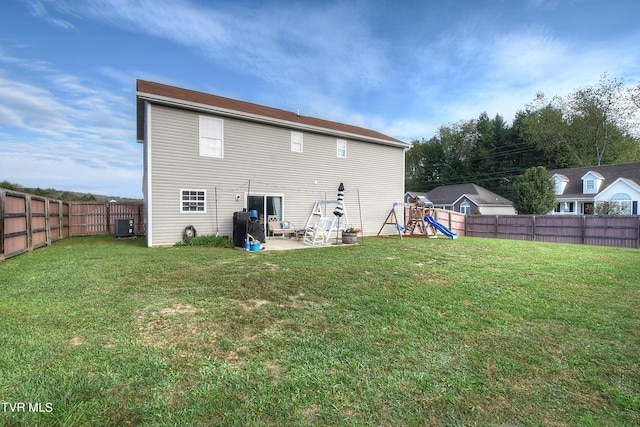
[{"x": 240, "y": 228}]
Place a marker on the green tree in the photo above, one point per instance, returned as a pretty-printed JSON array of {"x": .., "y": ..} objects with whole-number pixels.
[
  {"x": 534, "y": 192},
  {"x": 545, "y": 128},
  {"x": 608, "y": 207},
  {"x": 10, "y": 186},
  {"x": 414, "y": 168},
  {"x": 593, "y": 125}
]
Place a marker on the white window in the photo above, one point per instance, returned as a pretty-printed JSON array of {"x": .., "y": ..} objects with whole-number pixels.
[
  {"x": 342, "y": 148},
  {"x": 590, "y": 186},
  {"x": 193, "y": 201},
  {"x": 465, "y": 208},
  {"x": 296, "y": 142},
  {"x": 211, "y": 137},
  {"x": 623, "y": 203}
]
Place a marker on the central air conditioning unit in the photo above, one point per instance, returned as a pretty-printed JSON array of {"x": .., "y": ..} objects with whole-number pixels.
[{"x": 124, "y": 227}]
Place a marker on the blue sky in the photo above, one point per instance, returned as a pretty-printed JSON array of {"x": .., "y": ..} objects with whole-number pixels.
[{"x": 68, "y": 68}]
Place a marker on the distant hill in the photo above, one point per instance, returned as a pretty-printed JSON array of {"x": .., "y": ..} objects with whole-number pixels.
[{"x": 69, "y": 196}]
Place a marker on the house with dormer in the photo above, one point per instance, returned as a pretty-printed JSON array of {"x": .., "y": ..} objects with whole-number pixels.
[{"x": 580, "y": 190}]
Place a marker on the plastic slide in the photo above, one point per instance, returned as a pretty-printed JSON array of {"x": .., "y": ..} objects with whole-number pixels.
[{"x": 441, "y": 228}]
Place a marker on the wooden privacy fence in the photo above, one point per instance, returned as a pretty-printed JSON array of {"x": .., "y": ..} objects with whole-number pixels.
[
  {"x": 454, "y": 221},
  {"x": 599, "y": 230},
  {"x": 88, "y": 219},
  {"x": 29, "y": 222}
]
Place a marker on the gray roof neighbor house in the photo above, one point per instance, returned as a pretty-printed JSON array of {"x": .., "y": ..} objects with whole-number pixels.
[{"x": 467, "y": 198}]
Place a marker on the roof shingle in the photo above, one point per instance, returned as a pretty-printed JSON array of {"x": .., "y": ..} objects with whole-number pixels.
[
  {"x": 629, "y": 171},
  {"x": 191, "y": 96}
]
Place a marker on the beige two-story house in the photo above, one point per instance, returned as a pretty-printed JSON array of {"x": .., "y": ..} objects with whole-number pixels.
[{"x": 207, "y": 157}]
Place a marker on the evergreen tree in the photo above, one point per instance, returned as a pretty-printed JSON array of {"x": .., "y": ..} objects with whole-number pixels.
[{"x": 534, "y": 192}]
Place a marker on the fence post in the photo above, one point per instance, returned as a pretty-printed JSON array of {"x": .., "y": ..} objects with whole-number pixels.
[
  {"x": 496, "y": 225},
  {"x": 47, "y": 221},
  {"x": 584, "y": 230},
  {"x": 466, "y": 226},
  {"x": 29, "y": 220},
  {"x": 60, "y": 220},
  {"x": 533, "y": 228},
  {"x": 70, "y": 218}
]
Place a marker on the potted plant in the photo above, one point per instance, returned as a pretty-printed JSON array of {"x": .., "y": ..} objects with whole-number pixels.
[{"x": 350, "y": 235}]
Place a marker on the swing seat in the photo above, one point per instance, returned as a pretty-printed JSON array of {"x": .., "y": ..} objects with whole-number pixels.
[{"x": 318, "y": 234}]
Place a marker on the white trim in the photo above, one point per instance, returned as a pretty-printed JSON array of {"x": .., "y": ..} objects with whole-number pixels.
[
  {"x": 597, "y": 182},
  {"x": 630, "y": 184},
  {"x": 149, "y": 188},
  {"x": 195, "y": 190}
]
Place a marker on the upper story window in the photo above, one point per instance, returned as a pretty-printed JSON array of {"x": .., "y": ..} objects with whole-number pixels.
[
  {"x": 296, "y": 142},
  {"x": 591, "y": 182},
  {"x": 465, "y": 208},
  {"x": 193, "y": 201},
  {"x": 211, "y": 137},
  {"x": 342, "y": 148}
]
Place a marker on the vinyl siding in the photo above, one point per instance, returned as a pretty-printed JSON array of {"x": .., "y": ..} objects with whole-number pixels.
[{"x": 259, "y": 156}]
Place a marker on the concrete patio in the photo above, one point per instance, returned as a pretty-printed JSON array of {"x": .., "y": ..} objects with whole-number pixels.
[{"x": 280, "y": 244}]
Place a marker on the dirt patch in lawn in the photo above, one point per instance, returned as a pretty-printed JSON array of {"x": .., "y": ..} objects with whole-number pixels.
[{"x": 226, "y": 331}]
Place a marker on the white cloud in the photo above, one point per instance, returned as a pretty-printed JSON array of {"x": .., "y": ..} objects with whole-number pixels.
[
  {"x": 64, "y": 129},
  {"x": 39, "y": 10},
  {"x": 329, "y": 59},
  {"x": 65, "y": 173},
  {"x": 328, "y": 45},
  {"x": 27, "y": 106}
]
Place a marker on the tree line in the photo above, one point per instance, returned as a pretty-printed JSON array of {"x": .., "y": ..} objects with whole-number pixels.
[
  {"x": 594, "y": 125},
  {"x": 67, "y": 196}
]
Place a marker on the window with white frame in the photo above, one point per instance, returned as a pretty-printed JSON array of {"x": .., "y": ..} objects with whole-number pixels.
[
  {"x": 296, "y": 142},
  {"x": 590, "y": 186},
  {"x": 623, "y": 203},
  {"x": 193, "y": 201},
  {"x": 465, "y": 208},
  {"x": 342, "y": 148},
  {"x": 211, "y": 137}
]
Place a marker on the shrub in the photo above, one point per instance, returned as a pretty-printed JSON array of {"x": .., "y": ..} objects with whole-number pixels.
[{"x": 216, "y": 241}]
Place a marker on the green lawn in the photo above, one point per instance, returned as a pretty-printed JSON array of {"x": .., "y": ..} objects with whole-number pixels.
[{"x": 413, "y": 332}]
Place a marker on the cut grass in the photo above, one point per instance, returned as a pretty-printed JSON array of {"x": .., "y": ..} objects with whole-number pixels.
[{"x": 411, "y": 332}]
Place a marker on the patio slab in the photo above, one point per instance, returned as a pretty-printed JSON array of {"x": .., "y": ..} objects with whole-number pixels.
[{"x": 279, "y": 244}]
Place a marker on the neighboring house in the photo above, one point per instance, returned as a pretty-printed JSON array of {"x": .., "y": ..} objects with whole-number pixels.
[
  {"x": 467, "y": 199},
  {"x": 206, "y": 157},
  {"x": 579, "y": 190}
]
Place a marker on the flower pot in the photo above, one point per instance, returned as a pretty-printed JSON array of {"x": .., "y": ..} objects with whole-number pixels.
[{"x": 349, "y": 238}]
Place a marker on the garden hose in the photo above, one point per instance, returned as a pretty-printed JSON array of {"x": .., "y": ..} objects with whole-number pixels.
[{"x": 189, "y": 233}]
